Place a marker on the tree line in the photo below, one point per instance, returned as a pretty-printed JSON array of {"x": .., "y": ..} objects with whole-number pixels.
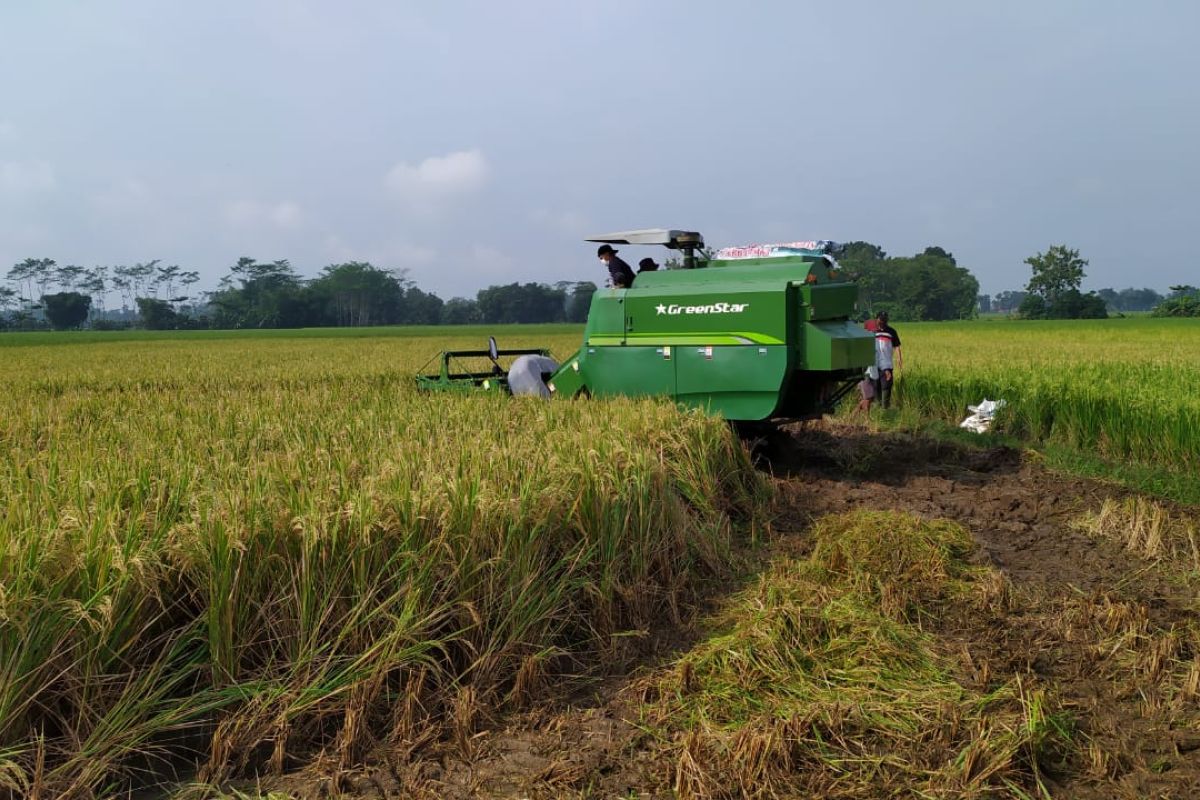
[
  {"x": 1123, "y": 301},
  {"x": 1054, "y": 292},
  {"x": 266, "y": 294},
  {"x": 927, "y": 286},
  {"x": 930, "y": 285}
]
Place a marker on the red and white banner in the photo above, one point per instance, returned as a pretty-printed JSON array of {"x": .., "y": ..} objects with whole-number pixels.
[{"x": 773, "y": 250}]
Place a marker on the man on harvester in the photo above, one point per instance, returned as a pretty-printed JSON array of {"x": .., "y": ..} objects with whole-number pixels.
[{"x": 619, "y": 273}]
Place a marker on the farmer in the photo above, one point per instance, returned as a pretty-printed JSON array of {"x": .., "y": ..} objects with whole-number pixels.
[
  {"x": 646, "y": 265},
  {"x": 887, "y": 356},
  {"x": 619, "y": 273}
]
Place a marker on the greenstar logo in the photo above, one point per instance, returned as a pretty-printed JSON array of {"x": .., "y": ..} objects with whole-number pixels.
[{"x": 715, "y": 308}]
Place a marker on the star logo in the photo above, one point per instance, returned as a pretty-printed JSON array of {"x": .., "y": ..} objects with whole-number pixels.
[{"x": 661, "y": 309}]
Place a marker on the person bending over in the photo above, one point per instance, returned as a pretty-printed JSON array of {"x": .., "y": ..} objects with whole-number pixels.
[{"x": 619, "y": 273}]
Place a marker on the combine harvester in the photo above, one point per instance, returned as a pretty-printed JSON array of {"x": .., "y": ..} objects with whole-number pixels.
[{"x": 760, "y": 333}]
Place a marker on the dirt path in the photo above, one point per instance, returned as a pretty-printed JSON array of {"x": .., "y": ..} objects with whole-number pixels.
[
  {"x": 1103, "y": 632},
  {"x": 1091, "y": 622}
]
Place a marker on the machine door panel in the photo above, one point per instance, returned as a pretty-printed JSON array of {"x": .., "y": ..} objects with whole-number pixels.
[
  {"x": 631, "y": 371},
  {"x": 606, "y": 318},
  {"x": 740, "y": 381}
]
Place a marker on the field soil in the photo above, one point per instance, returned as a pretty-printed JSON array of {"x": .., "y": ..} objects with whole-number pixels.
[{"x": 1104, "y": 632}]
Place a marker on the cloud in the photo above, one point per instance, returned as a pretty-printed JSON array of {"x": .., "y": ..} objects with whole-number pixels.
[
  {"x": 491, "y": 259},
  {"x": 26, "y": 177},
  {"x": 126, "y": 196},
  {"x": 439, "y": 178},
  {"x": 402, "y": 254},
  {"x": 571, "y": 223},
  {"x": 250, "y": 213},
  {"x": 391, "y": 255},
  {"x": 8, "y": 131}
]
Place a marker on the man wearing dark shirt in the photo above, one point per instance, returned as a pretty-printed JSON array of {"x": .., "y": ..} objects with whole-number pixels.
[{"x": 619, "y": 272}]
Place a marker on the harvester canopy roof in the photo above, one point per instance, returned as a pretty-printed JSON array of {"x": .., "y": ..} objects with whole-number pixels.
[{"x": 668, "y": 237}]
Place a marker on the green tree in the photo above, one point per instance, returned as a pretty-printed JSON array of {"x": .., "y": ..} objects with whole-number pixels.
[
  {"x": 460, "y": 311},
  {"x": 268, "y": 295},
  {"x": 579, "y": 301},
  {"x": 1057, "y": 276},
  {"x": 1184, "y": 301},
  {"x": 70, "y": 276},
  {"x": 1074, "y": 304},
  {"x": 8, "y": 298},
  {"x": 95, "y": 283},
  {"x": 357, "y": 293},
  {"x": 157, "y": 315},
  {"x": 134, "y": 281},
  {"x": 928, "y": 286},
  {"x": 1058, "y": 270},
  {"x": 33, "y": 276},
  {"x": 1007, "y": 301},
  {"x": 521, "y": 303},
  {"x": 938, "y": 252},
  {"x": 1033, "y": 306},
  {"x": 164, "y": 278},
  {"x": 186, "y": 280},
  {"x": 1130, "y": 299},
  {"x": 852, "y": 253},
  {"x": 66, "y": 310},
  {"x": 421, "y": 308}
]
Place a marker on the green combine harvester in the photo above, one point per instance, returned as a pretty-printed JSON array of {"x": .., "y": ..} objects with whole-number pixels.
[{"x": 753, "y": 334}]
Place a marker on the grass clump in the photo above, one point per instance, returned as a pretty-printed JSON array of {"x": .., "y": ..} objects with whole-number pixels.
[
  {"x": 822, "y": 681},
  {"x": 1148, "y": 529}
]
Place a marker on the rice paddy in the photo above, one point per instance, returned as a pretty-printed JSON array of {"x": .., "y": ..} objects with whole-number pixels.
[
  {"x": 1125, "y": 389},
  {"x": 264, "y": 549},
  {"x": 243, "y": 551}
]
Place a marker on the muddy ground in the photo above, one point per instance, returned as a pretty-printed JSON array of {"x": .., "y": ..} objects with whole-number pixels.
[{"x": 1069, "y": 598}]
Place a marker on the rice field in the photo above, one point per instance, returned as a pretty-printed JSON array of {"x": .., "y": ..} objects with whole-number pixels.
[
  {"x": 253, "y": 548},
  {"x": 262, "y": 548},
  {"x": 1124, "y": 389}
]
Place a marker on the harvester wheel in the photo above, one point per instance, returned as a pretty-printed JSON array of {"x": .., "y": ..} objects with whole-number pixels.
[
  {"x": 760, "y": 438},
  {"x": 755, "y": 429}
]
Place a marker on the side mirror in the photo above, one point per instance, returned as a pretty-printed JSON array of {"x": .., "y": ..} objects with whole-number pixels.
[{"x": 494, "y": 355}]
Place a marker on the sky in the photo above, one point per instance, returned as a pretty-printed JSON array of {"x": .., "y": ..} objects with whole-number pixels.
[{"x": 475, "y": 143}]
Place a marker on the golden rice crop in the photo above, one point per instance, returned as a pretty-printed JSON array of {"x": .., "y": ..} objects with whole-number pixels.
[
  {"x": 1124, "y": 388},
  {"x": 256, "y": 548}
]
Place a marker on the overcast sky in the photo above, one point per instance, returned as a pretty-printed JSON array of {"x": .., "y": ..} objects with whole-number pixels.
[{"x": 477, "y": 142}]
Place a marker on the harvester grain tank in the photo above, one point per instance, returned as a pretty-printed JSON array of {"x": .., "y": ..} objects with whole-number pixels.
[{"x": 756, "y": 333}]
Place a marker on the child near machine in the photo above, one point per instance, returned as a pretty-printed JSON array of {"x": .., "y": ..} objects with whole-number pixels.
[{"x": 866, "y": 390}]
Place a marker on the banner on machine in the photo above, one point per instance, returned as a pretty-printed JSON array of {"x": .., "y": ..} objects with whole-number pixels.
[{"x": 779, "y": 250}]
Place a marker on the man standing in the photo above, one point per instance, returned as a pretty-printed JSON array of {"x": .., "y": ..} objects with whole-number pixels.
[
  {"x": 619, "y": 273},
  {"x": 646, "y": 265},
  {"x": 887, "y": 356}
]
